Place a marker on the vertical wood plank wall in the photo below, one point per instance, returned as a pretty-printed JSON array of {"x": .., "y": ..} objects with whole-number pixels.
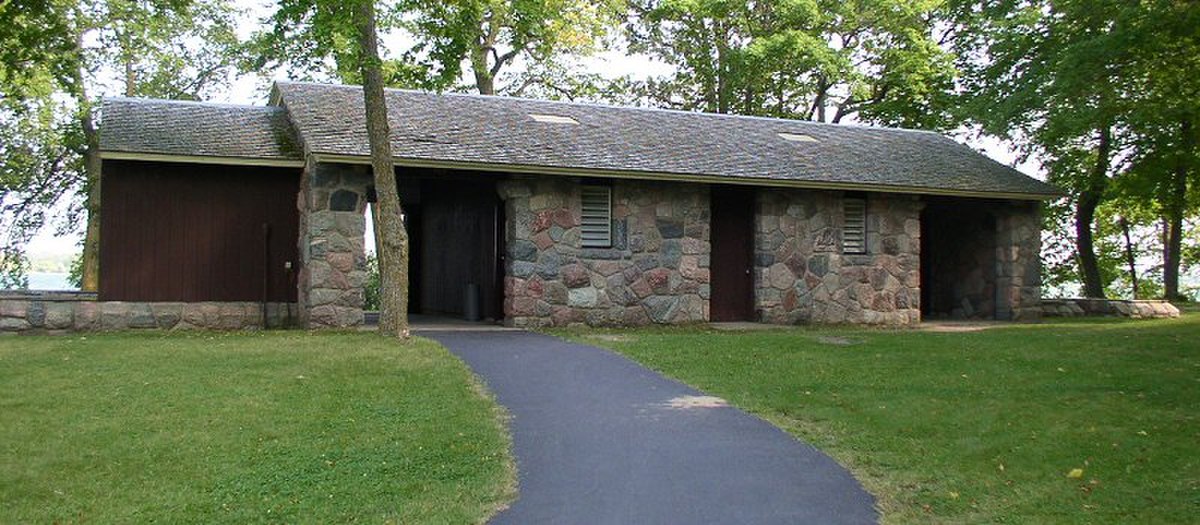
[{"x": 191, "y": 232}]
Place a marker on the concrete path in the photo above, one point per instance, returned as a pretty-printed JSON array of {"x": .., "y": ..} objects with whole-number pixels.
[{"x": 601, "y": 440}]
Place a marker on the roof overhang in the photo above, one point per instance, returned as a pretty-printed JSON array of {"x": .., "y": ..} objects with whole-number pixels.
[
  {"x": 683, "y": 177},
  {"x": 202, "y": 159}
]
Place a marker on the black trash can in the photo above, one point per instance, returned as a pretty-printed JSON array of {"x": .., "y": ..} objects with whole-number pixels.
[{"x": 471, "y": 302}]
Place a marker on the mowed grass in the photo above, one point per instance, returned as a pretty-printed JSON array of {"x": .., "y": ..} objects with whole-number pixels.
[
  {"x": 245, "y": 428},
  {"x": 972, "y": 427}
]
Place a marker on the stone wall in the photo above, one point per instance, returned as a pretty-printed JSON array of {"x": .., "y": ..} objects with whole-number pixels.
[
  {"x": 332, "y": 202},
  {"x": 656, "y": 272},
  {"x": 1018, "y": 261},
  {"x": 802, "y": 276},
  {"x": 56, "y": 313},
  {"x": 1108, "y": 308}
]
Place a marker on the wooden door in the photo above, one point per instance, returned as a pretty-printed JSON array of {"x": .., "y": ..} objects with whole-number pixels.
[{"x": 732, "y": 254}]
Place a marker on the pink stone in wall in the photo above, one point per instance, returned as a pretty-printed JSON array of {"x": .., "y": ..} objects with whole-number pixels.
[
  {"x": 575, "y": 276},
  {"x": 543, "y": 241},
  {"x": 524, "y": 306},
  {"x": 541, "y": 221},
  {"x": 659, "y": 279},
  {"x": 343, "y": 262},
  {"x": 535, "y": 288},
  {"x": 641, "y": 288},
  {"x": 563, "y": 218}
]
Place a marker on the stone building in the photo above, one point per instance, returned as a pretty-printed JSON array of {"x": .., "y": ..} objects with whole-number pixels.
[{"x": 536, "y": 213}]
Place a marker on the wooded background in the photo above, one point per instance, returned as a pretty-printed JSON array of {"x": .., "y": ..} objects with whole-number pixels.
[{"x": 1102, "y": 96}]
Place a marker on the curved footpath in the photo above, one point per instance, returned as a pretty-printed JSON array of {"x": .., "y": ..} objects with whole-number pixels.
[{"x": 600, "y": 439}]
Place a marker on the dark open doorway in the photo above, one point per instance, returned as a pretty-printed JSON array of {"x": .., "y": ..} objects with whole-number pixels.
[
  {"x": 958, "y": 260},
  {"x": 456, "y": 229},
  {"x": 732, "y": 296}
]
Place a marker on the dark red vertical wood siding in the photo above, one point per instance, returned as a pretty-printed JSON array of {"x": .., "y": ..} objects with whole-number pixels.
[{"x": 192, "y": 232}]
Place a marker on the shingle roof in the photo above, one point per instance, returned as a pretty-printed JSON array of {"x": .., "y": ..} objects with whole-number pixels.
[
  {"x": 499, "y": 131},
  {"x": 166, "y": 127}
]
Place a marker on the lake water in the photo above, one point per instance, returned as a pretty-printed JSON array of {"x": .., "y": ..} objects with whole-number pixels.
[{"x": 49, "y": 281}]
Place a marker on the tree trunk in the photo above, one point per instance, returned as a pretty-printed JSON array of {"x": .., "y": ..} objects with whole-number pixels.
[
  {"x": 391, "y": 238},
  {"x": 1085, "y": 216},
  {"x": 485, "y": 82},
  {"x": 722, "y": 68},
  {"x": 1130, "y": 258},
  {"x": 1173, "y": 211},
  {"x": 90, "y": 278}
]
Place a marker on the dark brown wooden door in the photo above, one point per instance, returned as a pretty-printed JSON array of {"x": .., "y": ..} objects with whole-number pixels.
[{"x": 732, "y": 254}]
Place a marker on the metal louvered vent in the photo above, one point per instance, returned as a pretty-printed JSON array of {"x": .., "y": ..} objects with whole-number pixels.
[
  {"x": 596, "y": 227},
  {"x": 854, "y": 231}
]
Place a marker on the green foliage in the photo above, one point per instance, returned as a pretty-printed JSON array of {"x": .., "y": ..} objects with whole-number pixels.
[
  {"x": 971, "y": 427},
  {"x": 1052, "y": 76},
  {"x": 879, "y": 60},
  {"x": 372, "y": 285},
  {"x": 245, "y": 428},
  {"x": 479, "y": 38},
  {"x": 75, "y": 271}
]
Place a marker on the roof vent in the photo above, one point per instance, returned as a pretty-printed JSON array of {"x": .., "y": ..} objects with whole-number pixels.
[
  {"x": 796, "y": 137},
  {"x": 553, "y": 119}
]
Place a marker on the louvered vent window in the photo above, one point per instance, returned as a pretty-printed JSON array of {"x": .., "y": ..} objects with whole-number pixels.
[
  {"x": 596, "y": 228},
  {"x": 854, "y": 233}
]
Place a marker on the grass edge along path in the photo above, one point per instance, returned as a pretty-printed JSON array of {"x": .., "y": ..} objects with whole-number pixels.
[
  {"x": 246, "y": 427},
  {"x": 1082, "y": 421}
]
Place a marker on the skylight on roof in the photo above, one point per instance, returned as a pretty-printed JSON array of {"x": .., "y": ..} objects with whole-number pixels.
[
  {"x": 796, "y": 137},
  {"x": 553, "y": 119}
]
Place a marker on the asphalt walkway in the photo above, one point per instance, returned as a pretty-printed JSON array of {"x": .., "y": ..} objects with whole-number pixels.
[{"x": 600, "y": 439}]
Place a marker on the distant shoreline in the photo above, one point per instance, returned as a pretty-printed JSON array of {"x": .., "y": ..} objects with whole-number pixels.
[{"x": 57, "y": 281}]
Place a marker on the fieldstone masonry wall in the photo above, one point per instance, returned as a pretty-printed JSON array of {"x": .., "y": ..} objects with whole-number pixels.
[
  {"x": 1140, "y": 309},
  {"x": 332, "y": 203},
  {"x": 1018, "y": 261},
  {"x": 802, "y": 276},
  {"x": 52, "y": 313},
  {"x": 656, "y": 272}
]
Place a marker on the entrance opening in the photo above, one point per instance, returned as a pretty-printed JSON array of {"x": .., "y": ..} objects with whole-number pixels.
[
  {"x": 456, "y": 241},
  {"x": 732, "y": 296},
  {"x": 958, "y": 260}
]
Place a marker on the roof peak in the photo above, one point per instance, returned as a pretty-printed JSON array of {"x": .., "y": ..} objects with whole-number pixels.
[{"x": 177, "y": 102}]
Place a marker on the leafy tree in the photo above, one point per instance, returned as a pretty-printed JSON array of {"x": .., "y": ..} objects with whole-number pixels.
[
  {"x": 877, "y": 60},
  {"x": 72, "y": 51},
  {"x": 1104, "y": 93},
  {"x": 1050, "y": 77},
  {"x": 480, "y": 38}
]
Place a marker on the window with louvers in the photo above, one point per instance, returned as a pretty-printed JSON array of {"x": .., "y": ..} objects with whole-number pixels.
[
  {"x": 596, "y": 227},
  {"x": 854, "y": 230}
]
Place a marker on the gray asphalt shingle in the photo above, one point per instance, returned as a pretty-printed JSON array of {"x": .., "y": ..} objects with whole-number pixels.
[
  {"x": 499, "y": 132},
  {"x": 168, "y": 127},
  {"x": 472, "y": 129}
]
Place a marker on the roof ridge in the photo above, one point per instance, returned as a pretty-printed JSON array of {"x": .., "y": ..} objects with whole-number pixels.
[
  {"x": 203, "y": 103},
  {"x": 705, "y": 114}
]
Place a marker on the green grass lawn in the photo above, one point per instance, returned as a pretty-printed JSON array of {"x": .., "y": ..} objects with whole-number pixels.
[
  {"x": 278, "y": 427},
  {"x": 972, "y": 427}
]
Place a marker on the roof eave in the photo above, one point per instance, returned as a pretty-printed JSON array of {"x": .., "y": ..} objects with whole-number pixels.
[
  {"x": 202, "y": 159},
  {"x": 684, "y": 177}
]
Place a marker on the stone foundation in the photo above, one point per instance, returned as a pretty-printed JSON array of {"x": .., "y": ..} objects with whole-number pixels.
[
  {"x": 657, "y": 270},
  {"x": 802, "y": 276},
  {"x": 56, "y": 313},
  {"x": 1108, "y": 308}
]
